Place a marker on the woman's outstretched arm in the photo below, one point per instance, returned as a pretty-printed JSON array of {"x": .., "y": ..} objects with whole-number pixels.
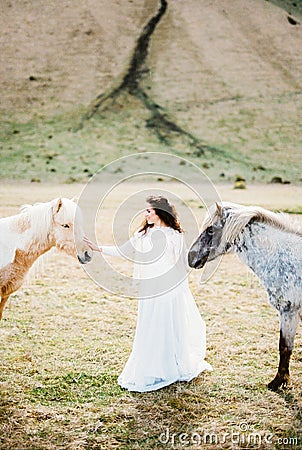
[{"x": 125, "y": 250}]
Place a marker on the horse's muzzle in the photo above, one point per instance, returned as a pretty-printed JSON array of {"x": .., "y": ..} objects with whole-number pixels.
[
  {"x": 196, "y": 261},
  {"x": 85, "y": 259}
]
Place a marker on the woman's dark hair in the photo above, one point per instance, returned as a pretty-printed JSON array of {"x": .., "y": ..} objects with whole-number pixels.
[{"x": 165, "y": 211}]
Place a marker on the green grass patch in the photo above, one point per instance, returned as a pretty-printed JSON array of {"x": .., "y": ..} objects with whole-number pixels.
[
  {"x": 56, "y": 149},
  {"x": 76, "y": 388}
]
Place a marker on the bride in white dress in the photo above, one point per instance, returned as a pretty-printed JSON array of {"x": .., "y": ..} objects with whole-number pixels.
[{"x": 170, "y": 338}]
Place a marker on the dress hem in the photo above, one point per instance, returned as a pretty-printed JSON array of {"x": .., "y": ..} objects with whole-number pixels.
[{"x": 154, "y": 387}]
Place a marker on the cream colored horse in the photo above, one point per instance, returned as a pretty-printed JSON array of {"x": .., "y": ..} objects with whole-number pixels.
[{"x": 35, "y": 230}]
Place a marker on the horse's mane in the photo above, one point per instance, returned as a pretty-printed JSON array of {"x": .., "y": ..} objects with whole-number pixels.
[
  {"x": 40, "y": 217},
  {"x": 240, "y": 216}
]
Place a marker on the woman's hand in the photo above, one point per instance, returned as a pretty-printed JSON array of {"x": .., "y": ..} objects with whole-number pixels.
[{"x": 91, "y": 245}]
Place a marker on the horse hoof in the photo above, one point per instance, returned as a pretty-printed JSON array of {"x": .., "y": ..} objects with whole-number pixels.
[
  {"x": 273, "y": 386},
  {"x": 278, "y": 381}
]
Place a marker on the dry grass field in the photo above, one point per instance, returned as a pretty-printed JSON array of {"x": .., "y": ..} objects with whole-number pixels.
[{"x": 64, "y": 342}]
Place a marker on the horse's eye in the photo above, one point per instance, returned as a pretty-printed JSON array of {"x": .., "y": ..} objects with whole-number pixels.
[
  {"x": 65, "y": 225},
  {"x": 210, "y": 231}
]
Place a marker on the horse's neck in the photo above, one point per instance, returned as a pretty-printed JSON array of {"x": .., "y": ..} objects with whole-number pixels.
[
  {"x": 25, "y": 245},
  {"x": 262, "y": 247},
  {"x": 34, "y": 249}
]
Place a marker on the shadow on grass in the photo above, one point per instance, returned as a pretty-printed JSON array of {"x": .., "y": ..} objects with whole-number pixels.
[
  {"x": 56, "y": 412},
  {"x": 15, "y": 432},
  {"x": 293, "y": 402},
  {"x": 152, "y": 419}
]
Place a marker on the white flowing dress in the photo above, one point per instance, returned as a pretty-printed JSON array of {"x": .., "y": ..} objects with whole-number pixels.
[{"x": 170, "y": 337}]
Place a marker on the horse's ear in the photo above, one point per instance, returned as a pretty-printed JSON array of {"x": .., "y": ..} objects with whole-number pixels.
[
  {"x": 218, "y": 209},
  {"x": 58, "y": 205}
]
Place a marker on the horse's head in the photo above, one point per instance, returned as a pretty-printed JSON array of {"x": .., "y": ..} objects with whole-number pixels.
[
  {"x": 210, "y": 243},
  {"x": 68, "y": 231}
]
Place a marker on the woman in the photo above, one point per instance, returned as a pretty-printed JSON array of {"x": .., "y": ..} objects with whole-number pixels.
[{"x": 170, "y": 337}]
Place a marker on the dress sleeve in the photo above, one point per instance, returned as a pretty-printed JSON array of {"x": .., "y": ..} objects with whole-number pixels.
[{"x": 125, "y": 250}]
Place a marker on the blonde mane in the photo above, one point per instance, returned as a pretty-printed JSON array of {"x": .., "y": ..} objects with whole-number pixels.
[{"x": 40, "y": 216}]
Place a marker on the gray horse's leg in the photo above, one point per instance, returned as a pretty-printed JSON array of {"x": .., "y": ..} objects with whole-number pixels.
[{"x": 288, "y": 326}]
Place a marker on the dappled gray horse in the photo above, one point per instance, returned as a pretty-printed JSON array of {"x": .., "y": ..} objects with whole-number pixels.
[{"x": 271, "y": 245}]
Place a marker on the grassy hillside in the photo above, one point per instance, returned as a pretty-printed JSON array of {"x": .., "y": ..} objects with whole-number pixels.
[{"x": 230, "y": 73}]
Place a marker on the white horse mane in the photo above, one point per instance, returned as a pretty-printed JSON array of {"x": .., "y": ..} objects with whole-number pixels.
[
  {"x": 40, "y": 216},
  {"x": 240, "y": 216}
]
